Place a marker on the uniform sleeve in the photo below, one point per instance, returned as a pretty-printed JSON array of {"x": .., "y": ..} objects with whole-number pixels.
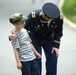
[
  {"x": 29, "y": 39},
  {"x": 28, "y": 22},
  {"x": 58, "y": 33},
  {"x": 15, "y": 43}
]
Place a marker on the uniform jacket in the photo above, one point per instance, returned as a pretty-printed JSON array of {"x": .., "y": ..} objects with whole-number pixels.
[{"x": 51, "y": 31}]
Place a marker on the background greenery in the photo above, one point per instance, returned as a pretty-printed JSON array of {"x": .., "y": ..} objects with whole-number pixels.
[{"x": 69, "y": 9}]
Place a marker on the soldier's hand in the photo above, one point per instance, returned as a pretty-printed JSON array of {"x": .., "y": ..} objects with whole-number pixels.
[
  {"x": 56, "y": 51},
  {"x": 13, "y": 36}
]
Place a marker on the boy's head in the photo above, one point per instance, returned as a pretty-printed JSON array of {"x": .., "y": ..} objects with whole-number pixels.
[{"x": 17, "y": 18}]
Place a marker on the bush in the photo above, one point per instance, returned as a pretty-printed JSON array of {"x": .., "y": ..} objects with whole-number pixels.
[{"x": 69, "y": 9}]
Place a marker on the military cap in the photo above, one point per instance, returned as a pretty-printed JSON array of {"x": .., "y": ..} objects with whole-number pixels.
[
  {"x": 50, "y": 11},
  {"x": 17, "y": 18}
]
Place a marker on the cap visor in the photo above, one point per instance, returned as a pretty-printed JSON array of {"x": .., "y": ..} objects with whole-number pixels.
[{"x": 24, "y": 19}]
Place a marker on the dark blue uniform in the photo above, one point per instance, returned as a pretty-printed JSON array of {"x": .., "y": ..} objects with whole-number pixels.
[{"x": 46, "y": 36}]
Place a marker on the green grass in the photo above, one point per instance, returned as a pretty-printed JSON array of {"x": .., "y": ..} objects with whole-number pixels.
[{"x": 69, "y": 10}]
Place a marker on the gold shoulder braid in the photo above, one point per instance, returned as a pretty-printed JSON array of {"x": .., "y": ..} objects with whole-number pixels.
[{"x": 33, "y": 15}]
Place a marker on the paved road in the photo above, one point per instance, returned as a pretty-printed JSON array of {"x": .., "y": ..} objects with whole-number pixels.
[{"x": 66, "y": 60}]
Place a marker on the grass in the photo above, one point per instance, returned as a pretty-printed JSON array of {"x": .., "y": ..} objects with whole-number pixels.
[{"x": 69, "y": 10}]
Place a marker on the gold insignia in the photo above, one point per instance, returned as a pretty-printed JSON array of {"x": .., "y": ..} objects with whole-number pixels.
[
  {"x": 55, "y": 26},
  {"x": 53, "y": 22},
  {"x": 52, "y": 26},
  {"x": 61, "y": 16},
  {"x": 42, "y": 24},
  {"x": 33, "y": 15}
]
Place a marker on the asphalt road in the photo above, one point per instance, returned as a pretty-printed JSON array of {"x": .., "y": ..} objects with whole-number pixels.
[{"x": 67, "y": 57}]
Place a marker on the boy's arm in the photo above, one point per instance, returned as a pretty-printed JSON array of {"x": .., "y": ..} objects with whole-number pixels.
[
  {"x": 16, "y": 55},
  {"x": 19, "y": 65},
  {"x": 16, "y": 46},
  {"x": 35, "y": 51}
]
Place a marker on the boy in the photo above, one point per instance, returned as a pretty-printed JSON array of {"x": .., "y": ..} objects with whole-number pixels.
[{"x": 23, "y": 48}]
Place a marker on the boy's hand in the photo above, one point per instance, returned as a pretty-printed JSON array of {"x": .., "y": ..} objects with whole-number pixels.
[
  {"x": 13, "y": 36},
  {"x": 19, "y": 65},
  {"x": 38, "y": 56}
]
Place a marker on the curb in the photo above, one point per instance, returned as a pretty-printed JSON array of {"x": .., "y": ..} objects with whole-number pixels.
[{"x": 66, "y": 21}]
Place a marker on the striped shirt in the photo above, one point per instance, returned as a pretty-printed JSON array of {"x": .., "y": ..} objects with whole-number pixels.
[{"x": 22, "y": 43}]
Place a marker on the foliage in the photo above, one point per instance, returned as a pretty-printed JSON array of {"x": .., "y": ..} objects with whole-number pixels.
[{"x": 69, "y": 9}]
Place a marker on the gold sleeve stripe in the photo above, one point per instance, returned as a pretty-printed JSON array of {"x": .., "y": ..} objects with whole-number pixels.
[{"x": 57, "y": 41}]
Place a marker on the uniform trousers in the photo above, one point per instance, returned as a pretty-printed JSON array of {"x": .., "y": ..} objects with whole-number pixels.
[{"x": 51, "y": 59}]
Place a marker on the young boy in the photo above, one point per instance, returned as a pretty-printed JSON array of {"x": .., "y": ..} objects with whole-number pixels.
[{"x": 23, "y": 49}]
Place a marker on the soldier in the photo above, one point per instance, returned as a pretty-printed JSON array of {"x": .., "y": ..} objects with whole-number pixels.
[{"x": 45, "y": 28}]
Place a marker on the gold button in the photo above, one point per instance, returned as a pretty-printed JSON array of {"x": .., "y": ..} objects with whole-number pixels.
[
  {"x": 52, "y": 26},
  {"x": 53, "y": 22},
  {"x": 38, "y": 26},
  {"x": 55, "y": 26},
  {"x": 42, "y": 24}
]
